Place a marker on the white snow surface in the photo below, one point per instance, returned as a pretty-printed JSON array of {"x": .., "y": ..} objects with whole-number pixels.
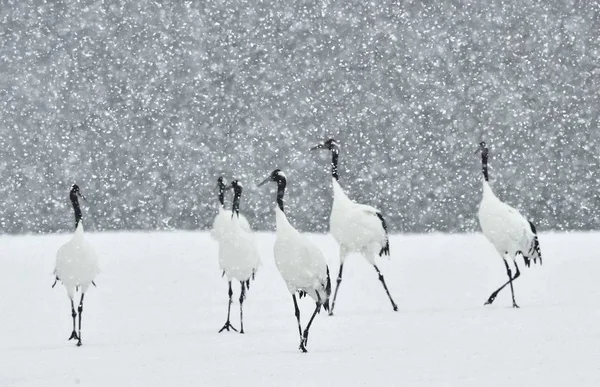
[{"x": 160, "y": 300}]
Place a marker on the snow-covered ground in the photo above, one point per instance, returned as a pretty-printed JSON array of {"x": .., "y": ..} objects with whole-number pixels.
[{"x": 153, "y": 319}]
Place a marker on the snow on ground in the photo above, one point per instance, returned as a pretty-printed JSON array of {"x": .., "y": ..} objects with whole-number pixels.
[{"x": 153, "y": 319}]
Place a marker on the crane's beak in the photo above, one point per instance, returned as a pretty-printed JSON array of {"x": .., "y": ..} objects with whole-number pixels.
[
  {"x": 81, "y": 196},
  {"x": 320, "y": 146},
  {"x": 264, "y": 181}
]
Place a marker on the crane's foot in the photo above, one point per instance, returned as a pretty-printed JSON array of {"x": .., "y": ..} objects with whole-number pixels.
[
  {"x": 228, "y": 326},
  {"x": 515, "y": 305},
  {"x": 491, "y": 299},
  {"x": 79, "y": 343},
  {"x": 302, "y": 347},
  {"x": 395, "y": 307},
  {"x": 74, "y": 336}
]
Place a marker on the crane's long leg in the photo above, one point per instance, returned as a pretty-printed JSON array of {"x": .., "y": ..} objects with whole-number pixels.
[
  {"x": 337, "y": 287},
  {"x": 510, "y": 280},
  {"x": 227, "y": 323},
  {"x": 317, "y": 310},
  {"x": 242, "y": 297},
  {"x": 386, "y": 288},
  {"x": 74, "y": 315},
  {"x": 80, "y": 310},
  {"x": 297, "y": 312}
]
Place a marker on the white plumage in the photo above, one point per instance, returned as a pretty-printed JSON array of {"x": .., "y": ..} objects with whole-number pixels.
[
  {"x": 299, "y": 261},
  {"x": 76, "y": 264},
  {"x": 509, "y": 231},
  {"x": 238, "y": 252},
  {"x": 357, "y": 228}
]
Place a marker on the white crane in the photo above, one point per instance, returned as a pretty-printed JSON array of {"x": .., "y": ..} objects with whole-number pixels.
[
  {"x": 510, "y": 233},
  {"x": 238, "y": 252},
  {"x": 76, "y": 263},
  {"x": 299, "y": 261},
  {"x": 357, "y": 228}
]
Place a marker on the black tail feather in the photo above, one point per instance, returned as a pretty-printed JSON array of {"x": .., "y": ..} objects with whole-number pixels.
[
  {"x": 536, "y": 251},
  {"x": 385, "y": 250}
]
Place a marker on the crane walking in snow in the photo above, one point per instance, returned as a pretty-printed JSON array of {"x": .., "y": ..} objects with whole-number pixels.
[
  {"x": 238, "y": 252},
  {"x": 76, "y": 263},
  {"x": 510, "y": 233},
  {"x": 357, "y": 228},
  {"x": 300, "y": 262}
]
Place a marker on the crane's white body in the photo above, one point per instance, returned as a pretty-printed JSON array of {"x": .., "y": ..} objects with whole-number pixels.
[
  {"x": 76, "y": 263},
  {"x": 299, "y": 261},
  {"x": 504, "y": 226},
  {"x": 238, "y": 252},
  {"x": 222, "y": 222},
  {"x": 356, "y": 227}
]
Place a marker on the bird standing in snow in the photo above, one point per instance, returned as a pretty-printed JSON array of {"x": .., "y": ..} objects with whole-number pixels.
[
  {"x": 238, "y": 252},
  {"x": 510, "y": 233},
  {"x": 357, "y": 228},
  {"x": 300, "y": 263},
  {"x": 76, "y": 263}
]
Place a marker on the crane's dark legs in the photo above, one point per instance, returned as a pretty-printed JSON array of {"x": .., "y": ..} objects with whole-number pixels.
[
  {"x": 227, "y": 323},
  {"x": 297, "y": 312},
  {"x": 509, "y": 282},
  {"x": 242, "y": 297},
  {"x": 74, "y": 315},
  {"x": 386, "y": 288},
  {"x": 80, "y": 310},
  {"x": 339, "y": 281},
  {"x": 317, "y": 310}
]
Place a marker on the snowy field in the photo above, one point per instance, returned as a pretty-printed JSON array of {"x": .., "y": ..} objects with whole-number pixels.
[{"x": 153, "y": 319}]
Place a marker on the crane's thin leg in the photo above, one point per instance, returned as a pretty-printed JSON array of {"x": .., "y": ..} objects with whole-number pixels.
[
  {"x": 337, "y": 287},
  {"x": 227, "y": 323},
  {"x": 297, "y": 312},
  {"x": 317, "y": 310},
  {"x": 493, "y": 295},
  {"x": 74, "y": 315},
  {"x": 242, "y": 297},
  {"x": 510, "y": 280},
  {"x": 80, "y": 310},
  {"x": 386, "y": 288}
]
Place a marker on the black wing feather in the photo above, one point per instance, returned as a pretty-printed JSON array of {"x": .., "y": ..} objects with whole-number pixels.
[{"x": 385, "y": 250}]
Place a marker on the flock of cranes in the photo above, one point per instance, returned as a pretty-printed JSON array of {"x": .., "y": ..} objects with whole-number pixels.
[{"x": 357, "y": 228}]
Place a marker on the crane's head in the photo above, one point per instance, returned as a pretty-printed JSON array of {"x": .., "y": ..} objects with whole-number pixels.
[
  {"x": 220, "y": 183},
  {"x": 236, "y": 186},
  {"x": 276, "y": 176},
  {"x": 482, "y": 148},
  {"x": 74, "y": 192},
  {"x": 331, "y": 145}
]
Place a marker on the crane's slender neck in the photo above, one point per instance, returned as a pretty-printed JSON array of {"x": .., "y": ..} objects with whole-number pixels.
[
  {"x": 235, "y": 209},
  {"x": 280, "y": 192},
  {"x": 222, "y": 194},
  {"x": 484, "y": 163},
  {"x": 76, "y": 208},
  {"x": 334, "y": 163}
]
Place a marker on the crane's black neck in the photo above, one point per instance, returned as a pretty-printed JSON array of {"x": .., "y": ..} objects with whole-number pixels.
[
  {"x": 76, "y": 208},
  {"x": 484, "y": 163},
  {"x": 281, "y": 183},
  {"x": 235, "y": 209},
  {"x": 221, "y": 187},
  {"x": 334, "y": 163}
]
